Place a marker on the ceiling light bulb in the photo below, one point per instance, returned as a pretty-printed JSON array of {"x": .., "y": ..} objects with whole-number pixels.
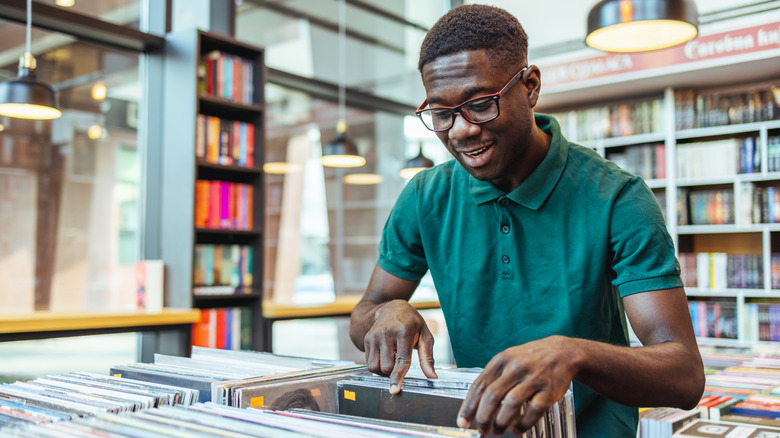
[
  {"x": 363, "y": 178},
  {"x": 65, "y": 3},
  {"x": 95, "y": 132},
  {"x": 99, "y": 91},
  {"x": 280, "y": 167}
]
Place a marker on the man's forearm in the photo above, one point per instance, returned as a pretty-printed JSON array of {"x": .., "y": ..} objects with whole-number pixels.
[{"x": 666, "y": 374}]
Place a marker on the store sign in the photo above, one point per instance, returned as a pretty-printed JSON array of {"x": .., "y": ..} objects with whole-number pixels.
[{"x": 701, "y": 48}]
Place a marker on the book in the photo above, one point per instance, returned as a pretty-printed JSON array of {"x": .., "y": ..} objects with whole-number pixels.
[
  {"x": 717, "y": 411},
  {"x": 150, "y": 284},
  {"x": 719, "y": 429}
]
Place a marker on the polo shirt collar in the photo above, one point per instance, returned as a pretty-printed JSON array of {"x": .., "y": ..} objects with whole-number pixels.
[{"x": 538, "y": 186}]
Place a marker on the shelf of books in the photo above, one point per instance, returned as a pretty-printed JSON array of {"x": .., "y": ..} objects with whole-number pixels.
[
  {"x": 222, "y": 138},
  {"x": 712, "y": 158}
]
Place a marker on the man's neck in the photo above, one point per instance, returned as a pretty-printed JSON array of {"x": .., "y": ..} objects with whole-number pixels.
[{"x": 537, "y": 151}]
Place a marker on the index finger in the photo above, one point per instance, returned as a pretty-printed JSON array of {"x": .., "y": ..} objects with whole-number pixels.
[
  {"x": 403, "y": 361},
  {"x": 468, "y": 408}
]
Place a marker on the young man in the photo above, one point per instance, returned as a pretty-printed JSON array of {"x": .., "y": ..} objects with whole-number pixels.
[{"x": 535, "y": 245}]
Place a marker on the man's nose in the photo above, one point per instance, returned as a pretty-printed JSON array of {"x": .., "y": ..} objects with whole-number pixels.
[{"x": 462, "y": 128}]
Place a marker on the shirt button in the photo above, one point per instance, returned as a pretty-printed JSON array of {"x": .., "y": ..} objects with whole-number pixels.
[
  {"x": 504, "y": 202},
  {"x": 505, "y": 229},
  {"x": 505, "y": 259}
]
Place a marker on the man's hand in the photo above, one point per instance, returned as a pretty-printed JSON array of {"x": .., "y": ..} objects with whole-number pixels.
[
  {"x": 538, "y": 373},
  {"x": 398, "y": 328}
]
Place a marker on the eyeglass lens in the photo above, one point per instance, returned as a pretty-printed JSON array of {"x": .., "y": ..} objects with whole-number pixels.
[{"x": 479, "y": 110}]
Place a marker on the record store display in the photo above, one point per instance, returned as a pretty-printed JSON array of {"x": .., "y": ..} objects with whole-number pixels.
[
  {"x": 437, "y": 402},
  {"x": 207, "y": 368},
  {"x": 73, "y": 395},
  {"x": 212, "y": 420},
  {"x": 224, "y": 393}
]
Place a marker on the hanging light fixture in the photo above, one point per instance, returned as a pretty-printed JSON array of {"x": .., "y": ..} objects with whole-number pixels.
[
  {"x": 363, "y": 179},
  {"x": 99, "y": 91},
  {"x": 280, "y": 167},
  {"x": 641, "y": 25},
  {"x": 25, "y": 97},
  {"x": 341, "y": 151},
  {"x": 416, "y": 165}
]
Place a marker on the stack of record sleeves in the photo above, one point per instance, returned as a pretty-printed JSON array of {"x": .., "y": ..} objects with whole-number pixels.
[
  {"x": 214, "y": 372},
  {"x": 437, "y": 401},
  {"x": 73, "y": 395},
  {"x": 213, "y": 420}
]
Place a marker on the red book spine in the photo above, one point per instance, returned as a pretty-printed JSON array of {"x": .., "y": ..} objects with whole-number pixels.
[
  {"x": 214, "y": 204},
  {"x": 200, "y": 330},
  {"x": 210, "y": 76},
  {"x": 250, "y": 145},
  {"x": 233, "y": 193},
  {"x": 250, "y": 196},
  {"x": 219, "y": 327},
  {"x": 240, "y": 217}
]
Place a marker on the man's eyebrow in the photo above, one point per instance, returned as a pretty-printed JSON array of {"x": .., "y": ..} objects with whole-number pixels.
[{"x": 474, "y": 91}]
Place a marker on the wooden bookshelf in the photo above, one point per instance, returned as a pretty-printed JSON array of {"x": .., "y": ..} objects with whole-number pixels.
[
  {"x": 705, "y": 153},
  {"x": 167, "y": 332},
  {"x": 38, "y": 325},
  {"x": 216, "y": 139}
]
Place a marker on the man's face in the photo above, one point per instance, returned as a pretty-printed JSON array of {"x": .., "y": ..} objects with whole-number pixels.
[{"x": 489, "y": 151}]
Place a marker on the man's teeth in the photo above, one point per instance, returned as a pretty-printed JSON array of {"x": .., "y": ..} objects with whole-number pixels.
[{"x": 476, "y": 153}]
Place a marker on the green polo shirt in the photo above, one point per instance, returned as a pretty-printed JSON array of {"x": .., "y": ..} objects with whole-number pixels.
[{"x": 549, "y": 258}]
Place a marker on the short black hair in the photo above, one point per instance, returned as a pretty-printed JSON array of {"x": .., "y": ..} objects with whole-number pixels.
[{"x": 475, "y": 27}]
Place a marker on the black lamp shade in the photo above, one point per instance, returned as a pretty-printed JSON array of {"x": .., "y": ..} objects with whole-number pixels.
[
  {"x": 420, "y": 161},
  {"x": 341, "y": 152},
  {"x": 641, "y": 25},
  {"x": 415, "y": 165},
  {"x": 26, "y": 97}
]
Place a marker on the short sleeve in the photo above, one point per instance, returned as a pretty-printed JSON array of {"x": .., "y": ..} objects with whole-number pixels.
[
  {"x": 401, "y": 251},
  {"x": 642, "y": 249}
]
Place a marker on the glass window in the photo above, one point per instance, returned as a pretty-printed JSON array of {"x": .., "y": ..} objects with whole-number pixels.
[
  {"x": 121, "y": 12},
  {"x": 301, "y": 37},
  {"x": 322, "y": 228},
  {"x": 69, "y": 187}
]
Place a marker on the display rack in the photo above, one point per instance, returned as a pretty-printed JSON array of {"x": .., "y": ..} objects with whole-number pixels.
[
  {"x": 215, "y": 99},
  {"x": 712, "y": 157}
]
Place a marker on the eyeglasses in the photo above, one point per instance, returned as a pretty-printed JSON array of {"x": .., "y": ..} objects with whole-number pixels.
[{"x": 478, "y": 110}]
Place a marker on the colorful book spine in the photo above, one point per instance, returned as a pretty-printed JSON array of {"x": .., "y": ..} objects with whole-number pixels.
[
  {"x": 222, "y": 269},
  {"x": 223, "y": 205},
  {"x": 227, "y": 76},
  {"x": 223, "y": 328}
]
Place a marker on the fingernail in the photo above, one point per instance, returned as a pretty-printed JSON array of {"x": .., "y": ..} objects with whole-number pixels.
[
  {"x": 394, "y": 389},
  {"x": 462, "y": 423}
]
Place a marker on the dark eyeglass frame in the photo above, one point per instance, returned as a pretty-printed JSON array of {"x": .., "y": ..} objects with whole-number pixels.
[{"x": 458, "y": 108}]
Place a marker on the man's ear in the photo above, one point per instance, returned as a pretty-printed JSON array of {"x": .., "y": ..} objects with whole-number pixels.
[{"x": 532, "y": 78}]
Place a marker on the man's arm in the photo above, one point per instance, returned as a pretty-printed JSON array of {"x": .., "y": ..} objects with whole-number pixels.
[
  {"x": 388, "y": 328},
  {"x": 666, "y": 371}
]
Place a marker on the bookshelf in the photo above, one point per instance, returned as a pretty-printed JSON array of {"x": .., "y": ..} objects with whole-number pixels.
[
  {"x": 212, "y": 206},
  {"x": 711, "y": 156}
]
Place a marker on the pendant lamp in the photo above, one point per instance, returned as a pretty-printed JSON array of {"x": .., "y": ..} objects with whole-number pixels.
[
  {"x": 341, "y": 151},
  {"x": 641, "y": 25},
  {"x": 416, "y": 165},
  {"x": 363, "y": 179},
  {"x": 25, "y": 97}
]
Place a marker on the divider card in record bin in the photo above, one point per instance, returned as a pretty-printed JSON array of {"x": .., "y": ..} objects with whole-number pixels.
[
  {"x": 365, "y": 399},
  {"x": 436, "y": 402}
]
